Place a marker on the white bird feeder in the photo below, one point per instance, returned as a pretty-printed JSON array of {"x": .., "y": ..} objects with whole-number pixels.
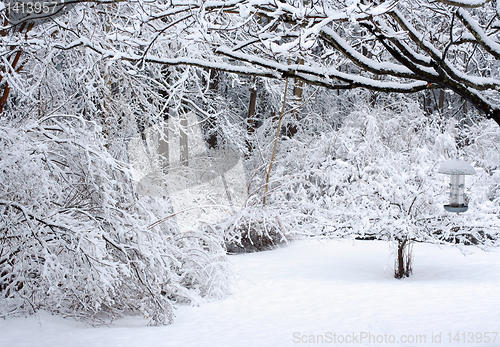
[{"x": 457, "y": 169}]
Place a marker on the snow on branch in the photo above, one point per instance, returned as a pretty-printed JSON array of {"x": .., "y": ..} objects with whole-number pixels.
[
  {"x": 75, "y": 238},
  {"x": 393, "y": 45},
  {"x": 465, "y": 3},
  {"x": 489, "y": 45},
  {"x": 380, "y": 68}
]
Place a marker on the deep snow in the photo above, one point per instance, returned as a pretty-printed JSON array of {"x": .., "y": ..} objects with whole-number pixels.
[{"x": 308, "y": 290}]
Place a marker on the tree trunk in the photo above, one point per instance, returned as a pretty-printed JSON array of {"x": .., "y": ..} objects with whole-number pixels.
[
  {"x": 213, "y": 87},
  {"x": 298, "y": 88},
  {"x": 14, "y": 63},
  {"x": 251, "y": 117},
  {"x": 184, "y": 155},
  {"x": 403, "y": 266},
  {"x": 163, "y": 147},
  {"x": 427, "y": 102},
  {"x": 441, "y": 101}
]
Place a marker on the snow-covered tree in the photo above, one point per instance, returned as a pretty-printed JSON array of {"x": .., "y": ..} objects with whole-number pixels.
[
  {"x": 387, "y": 46},
  {"x": 376, "y": 177},
  {"x": 75, "y": 237}
]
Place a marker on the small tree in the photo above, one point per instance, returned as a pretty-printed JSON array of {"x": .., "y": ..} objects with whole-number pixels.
[{"x": 376, "y": 178}]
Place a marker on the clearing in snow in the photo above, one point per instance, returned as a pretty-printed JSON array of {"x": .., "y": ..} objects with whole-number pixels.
[{"x": 313, "y": 292}]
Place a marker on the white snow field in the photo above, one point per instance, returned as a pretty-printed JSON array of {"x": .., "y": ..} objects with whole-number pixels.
[{"x": 314, "y": 292}]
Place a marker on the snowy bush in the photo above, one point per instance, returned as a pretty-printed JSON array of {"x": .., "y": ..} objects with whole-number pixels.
[
  {"x": 257, "y": 228},
  {"x": 376, "y": 178},
  {"x": 75, "y": 240}
]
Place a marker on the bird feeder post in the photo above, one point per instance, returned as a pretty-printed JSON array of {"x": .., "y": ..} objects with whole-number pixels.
[{"x": 457, "y": 169}]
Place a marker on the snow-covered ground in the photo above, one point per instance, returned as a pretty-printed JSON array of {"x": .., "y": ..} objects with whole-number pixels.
[{"x": 312, "y": 290}]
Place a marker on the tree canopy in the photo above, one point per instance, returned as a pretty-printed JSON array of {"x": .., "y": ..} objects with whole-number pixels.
[{"x": 388, "y": 46}]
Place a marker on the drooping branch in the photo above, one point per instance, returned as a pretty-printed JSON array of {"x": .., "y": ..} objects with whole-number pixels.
[
  {"x": 254, "y": 38},
  {"x": 440, "y": 62},
  {"x": 465, "y": 3},
  {"x": 357, "y": 58},
  {"x": 313, "y": 75},
  {"x": 488, "y": 44}
]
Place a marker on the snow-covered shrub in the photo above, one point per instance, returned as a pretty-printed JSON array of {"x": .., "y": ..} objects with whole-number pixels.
[
  {"x": 483, "y": 149},
  {"x": 257, "y": 228},
  {"x": 376, "y": 177},
  {"x": 75, "y": 240}
]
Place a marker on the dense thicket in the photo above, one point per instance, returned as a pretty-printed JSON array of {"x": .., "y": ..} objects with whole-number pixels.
[{"x": 75, "y": 238}]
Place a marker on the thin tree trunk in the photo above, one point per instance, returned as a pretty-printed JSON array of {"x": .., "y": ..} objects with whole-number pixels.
[
  {"x": 184, "y": 154},
  {"x": 213, "y": 87},
  {"x": 251, "y": 116},
  {"x": 403, "y": 259},
  {"x": 441, "y": 101},
  {"x": 428, "y": 103},
  {"x": 14, "y": 64},
  {"x": 298, "y": 90},
  {"x": 275, "y": 142},
  {"x": 163, "y": 146}
]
